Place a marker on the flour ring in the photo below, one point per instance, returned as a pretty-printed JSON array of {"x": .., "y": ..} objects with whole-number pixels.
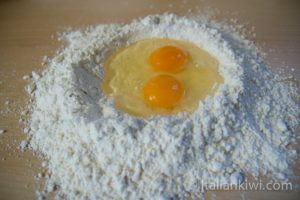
[{"x": 97, "y": 152}]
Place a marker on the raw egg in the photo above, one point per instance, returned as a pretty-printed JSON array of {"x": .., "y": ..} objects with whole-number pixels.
[
  {"x": 168, "y": 59},
  {"x": 160, "y": 76},
  {"x": 163, "y": 91}
]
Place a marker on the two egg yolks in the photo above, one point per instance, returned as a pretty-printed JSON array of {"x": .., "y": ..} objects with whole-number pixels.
[
  {"x": 164, "y": 90},
  {"x": 160, "y": 76}
]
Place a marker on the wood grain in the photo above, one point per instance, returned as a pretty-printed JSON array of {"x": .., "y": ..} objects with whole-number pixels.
[{"x": 26, "y": 30}]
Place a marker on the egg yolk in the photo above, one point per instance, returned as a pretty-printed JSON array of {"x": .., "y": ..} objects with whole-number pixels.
[
  {"x": 163, "y": 91},
  {"x": 168, "y": 59}
]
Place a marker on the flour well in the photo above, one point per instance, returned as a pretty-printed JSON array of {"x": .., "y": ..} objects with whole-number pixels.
[{"x": 96, "y": 152}]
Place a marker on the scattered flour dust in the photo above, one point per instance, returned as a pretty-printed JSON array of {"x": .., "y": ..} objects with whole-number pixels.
[{"x": 93, "y": 151}]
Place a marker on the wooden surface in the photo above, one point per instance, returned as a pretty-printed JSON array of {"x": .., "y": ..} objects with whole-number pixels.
[{"x": 26, "y": 28}]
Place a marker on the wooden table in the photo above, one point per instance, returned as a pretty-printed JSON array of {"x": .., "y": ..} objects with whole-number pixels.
[{"x": 26, "y": 35}]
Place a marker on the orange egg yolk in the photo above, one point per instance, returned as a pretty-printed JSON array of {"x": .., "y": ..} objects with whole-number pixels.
[
  {"x": 163, "y": 91},
  {"x": 168, "y": 59}
]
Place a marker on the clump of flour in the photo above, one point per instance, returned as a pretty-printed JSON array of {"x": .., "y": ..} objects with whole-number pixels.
[{"x": 94, "y": 151}]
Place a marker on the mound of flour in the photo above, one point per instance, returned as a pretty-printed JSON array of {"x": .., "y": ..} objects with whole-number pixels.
[{"x": 93, "y": 151}]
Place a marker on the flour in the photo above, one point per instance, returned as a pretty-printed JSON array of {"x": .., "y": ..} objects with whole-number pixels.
[{"x": 93, "y": 151}]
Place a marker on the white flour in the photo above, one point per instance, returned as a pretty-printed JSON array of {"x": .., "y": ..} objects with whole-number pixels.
[{"x": 96, "y": 152}]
